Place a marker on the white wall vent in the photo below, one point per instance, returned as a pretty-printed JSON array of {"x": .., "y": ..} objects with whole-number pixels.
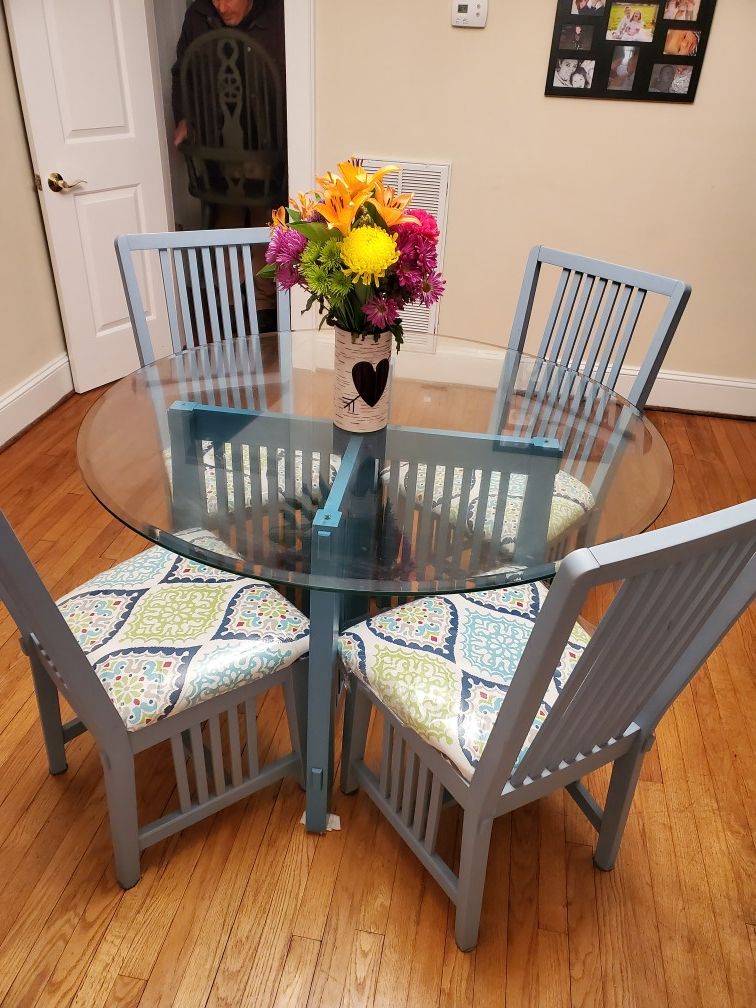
[{"x": 429, "y": 184}]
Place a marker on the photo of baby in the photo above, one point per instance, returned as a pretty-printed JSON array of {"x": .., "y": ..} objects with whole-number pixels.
[
  {"x": 670, "y": 78},
  {"x": 588, "y": 7},
  {"x": 622, "y": 72},
  {"x": 632, "y": 22},
  {"x": 572, "y": 73},
  {"x": 682, "y": 43},
  {"x": 681, "y": 10}
]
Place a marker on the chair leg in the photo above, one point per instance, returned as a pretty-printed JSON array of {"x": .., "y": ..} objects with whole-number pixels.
[
  {"x": 473, "y": 861},
  {"x": 357, "y": 709},
  {"x": 295, "y": 696},
  {"x": 120, "y": 789},
  {"x": 48, "y": 703},
  {"x": 619, "y": 798}
]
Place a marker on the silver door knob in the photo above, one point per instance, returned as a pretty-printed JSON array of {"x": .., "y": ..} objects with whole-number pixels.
[{"x": 58, "y": 184}]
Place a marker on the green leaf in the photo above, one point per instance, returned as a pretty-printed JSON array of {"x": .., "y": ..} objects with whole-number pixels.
[
  {"x": 294, "y": 215},
  {"x": 268, "y": 271},
  {"x": 314, "y": 232}
]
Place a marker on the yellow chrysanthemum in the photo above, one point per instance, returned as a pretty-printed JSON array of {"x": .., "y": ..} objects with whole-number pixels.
[{"x": 367, "y": 252}]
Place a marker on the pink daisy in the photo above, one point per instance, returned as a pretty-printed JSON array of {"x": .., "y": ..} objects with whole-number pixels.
[
  {"x": 431, "y": 288},
  {"x": 381, "y": 311}
]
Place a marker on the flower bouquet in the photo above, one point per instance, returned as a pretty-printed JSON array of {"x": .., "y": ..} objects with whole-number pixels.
[{"x": 353, "y": 244}]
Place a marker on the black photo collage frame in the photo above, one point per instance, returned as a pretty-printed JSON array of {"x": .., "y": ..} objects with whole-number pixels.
[{"x": 634, "y": 51}]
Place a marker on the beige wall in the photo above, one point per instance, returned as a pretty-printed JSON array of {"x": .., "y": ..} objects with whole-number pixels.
[
  {"x": 31, "y": 335},
  {"x": 666, "y": 188}
]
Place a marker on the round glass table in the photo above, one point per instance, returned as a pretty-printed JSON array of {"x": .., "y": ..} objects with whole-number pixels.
[{"x": 493, "y": 467}]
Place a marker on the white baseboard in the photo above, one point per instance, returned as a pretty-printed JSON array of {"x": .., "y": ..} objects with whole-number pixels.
[
  {"x": 28, "y": 401},
  {"x": 697, "y": 393},
  {"x": 479, "y": 366}
]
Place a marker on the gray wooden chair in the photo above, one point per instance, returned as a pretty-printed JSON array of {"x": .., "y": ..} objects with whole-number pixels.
[
  {"x": 497, "y": 698},
  {"x": 161, "y": 648},
  {"x": 596, "y": 314},
  {"x": 209, "y": 297},
  {"x": 236, "y": 118},
  {"x": 208, "y": 286},
  {"x": 593, "y": 316}
]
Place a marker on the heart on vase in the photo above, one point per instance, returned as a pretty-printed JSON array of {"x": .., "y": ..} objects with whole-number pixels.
[{"x": 370, "y": 381}]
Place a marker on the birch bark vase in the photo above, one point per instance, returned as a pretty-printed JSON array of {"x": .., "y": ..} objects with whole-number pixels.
[{"x": 361, "y": 386}]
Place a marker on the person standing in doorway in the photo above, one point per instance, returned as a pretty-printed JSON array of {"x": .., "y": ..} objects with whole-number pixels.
[{"x": 263, "y": 21}]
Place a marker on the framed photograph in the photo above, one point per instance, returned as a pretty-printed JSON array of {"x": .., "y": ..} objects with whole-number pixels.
[
  {"x": 628, "y": 51},
  {"x": 577, "y": 37},
  {"x": 632, "y": 22}
]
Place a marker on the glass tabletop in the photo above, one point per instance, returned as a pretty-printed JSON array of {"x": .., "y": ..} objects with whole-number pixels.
[{"x": 493, "y": 467}]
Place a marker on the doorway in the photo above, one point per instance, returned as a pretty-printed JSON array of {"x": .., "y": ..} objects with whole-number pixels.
[{"x": 299, "y": 27}]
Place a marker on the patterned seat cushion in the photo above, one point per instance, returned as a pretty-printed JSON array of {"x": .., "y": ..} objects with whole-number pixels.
[
  {"x": 164, "y": 633},
  {"x": 572, "y": 499},
  {"x": 443, "y": 665},
  {"x": 312, "y": 488}
]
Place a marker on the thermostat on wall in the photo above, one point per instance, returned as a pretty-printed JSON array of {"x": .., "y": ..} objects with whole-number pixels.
[{"x": 469, "y": 13}]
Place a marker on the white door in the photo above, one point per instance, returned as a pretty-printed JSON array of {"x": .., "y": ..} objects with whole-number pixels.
[{"x": 88, "y": 96}]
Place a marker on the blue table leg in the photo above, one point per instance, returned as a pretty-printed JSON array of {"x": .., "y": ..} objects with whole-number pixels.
[{"x": 321, "y": 706}]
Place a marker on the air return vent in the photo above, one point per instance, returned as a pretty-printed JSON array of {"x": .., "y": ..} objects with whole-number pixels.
[{"x": 429, "y": 184}]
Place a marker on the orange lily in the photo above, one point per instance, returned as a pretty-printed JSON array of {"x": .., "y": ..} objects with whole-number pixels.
[
  {"x": 354, "y": 177},
  {"x": 304, "y": 203},
  {"x": 391, "y": 206},
  {"x": 278, "y": 218},
  {"x": 339, "y": 207}
]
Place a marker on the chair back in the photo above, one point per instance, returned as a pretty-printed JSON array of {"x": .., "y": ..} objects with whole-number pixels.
[
  {"x": 681, "y": 588},
  {"x": 234, "y": 104},
  {"x": 594, "y": 315},
  {"x": 45, "y": 633},
  {"x": 208, "y": 286}
]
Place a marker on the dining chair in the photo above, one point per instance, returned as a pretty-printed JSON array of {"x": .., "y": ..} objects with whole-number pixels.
[
  {"x": 492, "y": 700},
  {"x": 208, "y": 290},
  {"x": 596, "y": 310},
  {"x": 594, "y": 315},
  {"x": 597, "y": 313},
  {"x": 161, "y": 649}
]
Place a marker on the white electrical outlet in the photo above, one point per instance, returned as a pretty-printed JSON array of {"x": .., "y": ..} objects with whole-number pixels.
[{"x": 469, "y": 13}]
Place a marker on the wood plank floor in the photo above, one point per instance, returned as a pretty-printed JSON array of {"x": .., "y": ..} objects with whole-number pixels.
[{"x": 246, "y": 909}]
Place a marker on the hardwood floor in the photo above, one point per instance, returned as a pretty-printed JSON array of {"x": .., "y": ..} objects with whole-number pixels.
[{"x": 246, "y": 909}]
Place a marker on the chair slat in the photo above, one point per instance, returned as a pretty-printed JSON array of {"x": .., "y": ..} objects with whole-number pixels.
[
  {"x": 234, "y": 745},
  {"x": 250, "y": 721},
  {"x": 198, "y": 763},
  {"x": 216, "y": 755},
  {"x": 179, "y": 767}
]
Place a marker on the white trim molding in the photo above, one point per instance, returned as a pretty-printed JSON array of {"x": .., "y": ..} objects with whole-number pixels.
[
  {"x": 27, "y": 402},
  {"x": 697, "y": 393},
  {"x": 479, "y": 366}
]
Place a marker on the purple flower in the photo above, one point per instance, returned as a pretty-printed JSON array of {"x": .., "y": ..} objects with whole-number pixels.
[
  {"x": 410, "y": 281},
  {"x": 381, "y": 311},
  {"x": 416, "y": 252},
  {"x": 426, "y": 225},
  {"x": 288, "y": 276},
  {"x": 431, "y": 288},
  {"x": 285, "y": 247}
]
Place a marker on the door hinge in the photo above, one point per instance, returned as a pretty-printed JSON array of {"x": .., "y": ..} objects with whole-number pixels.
[{"x": 37, "y": 182}]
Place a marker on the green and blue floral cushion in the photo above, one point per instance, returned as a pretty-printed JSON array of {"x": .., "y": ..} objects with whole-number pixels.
[
  {"x": 571, "y": 501},
  {"x": 164, "y": 633},
  {"x": 443, "y": 664}
]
